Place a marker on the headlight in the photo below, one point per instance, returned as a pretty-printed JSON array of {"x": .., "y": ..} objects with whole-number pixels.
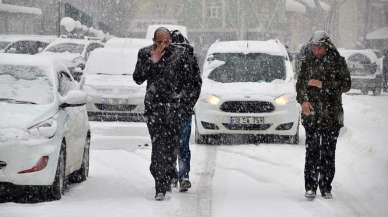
[
  {"x": 46, "y": 128},
  {"x": 213, "y": 100},
  {"x": 282, "y": 100}
]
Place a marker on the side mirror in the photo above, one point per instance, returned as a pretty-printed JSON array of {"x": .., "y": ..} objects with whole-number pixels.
[{"x": 74, "y": 98}]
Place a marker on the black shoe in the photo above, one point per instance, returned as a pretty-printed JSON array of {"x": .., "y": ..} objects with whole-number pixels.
[
  {"x": 327, "y": 195},
  {"x": 160, "y": 196},
  {"x": 310, "y": 194},
  {"x": 184, "y": 185}
]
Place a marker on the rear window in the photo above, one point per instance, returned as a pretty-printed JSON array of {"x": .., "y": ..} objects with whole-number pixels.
[
  {"x": 253, "y": 67},
  {"x": 66, "y": 47}
]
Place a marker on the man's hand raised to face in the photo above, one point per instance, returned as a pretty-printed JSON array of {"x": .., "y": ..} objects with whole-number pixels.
[{"x": 162, "y": 41}]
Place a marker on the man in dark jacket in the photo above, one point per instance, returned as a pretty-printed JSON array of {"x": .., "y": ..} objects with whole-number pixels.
[
  {"x": 188, "y": 104},
  {"x": 166, "y": 69},
  {"x": 323, "y": 78}
]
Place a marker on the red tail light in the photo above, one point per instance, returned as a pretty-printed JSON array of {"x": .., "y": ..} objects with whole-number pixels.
[{"x": 40, "y": 165}]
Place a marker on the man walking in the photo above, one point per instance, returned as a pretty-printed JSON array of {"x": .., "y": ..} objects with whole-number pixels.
[
  {"x": 323, "y": 78},
  {"x": 166, "y": 68},
  {"x": 184, "y": 156}
]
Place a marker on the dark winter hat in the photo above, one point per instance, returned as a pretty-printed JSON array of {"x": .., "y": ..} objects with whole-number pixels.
[
  {"x": 320, "y": 38},
  {"x": 178, "y": 38}
]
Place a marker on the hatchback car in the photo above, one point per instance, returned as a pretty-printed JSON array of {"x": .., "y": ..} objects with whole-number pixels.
[
  {"x": 44, "y": 129},
  {"x": 248, "y": 89},
  {"x": 112, "y": 93},
  {"x": 73, "y": 53},
  {"x": 365, "y": 70}
]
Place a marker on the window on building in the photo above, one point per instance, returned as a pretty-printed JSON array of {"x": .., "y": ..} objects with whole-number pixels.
[
  {"x": 386, "y": 14},
  {"x": 214, "y": 10}
]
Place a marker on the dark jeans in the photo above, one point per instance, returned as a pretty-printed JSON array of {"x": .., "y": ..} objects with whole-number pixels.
[
  {"x": 184, "y": 150},
  {"x": 320, "y": 159},
  {"x": 164, "y": 133}
]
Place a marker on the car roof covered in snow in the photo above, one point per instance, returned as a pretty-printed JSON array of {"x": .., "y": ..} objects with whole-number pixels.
[
  {"x": 42, "y": 38},
  {"x": 50, "y": 64},
  {"x": 271, "y": 47},
  {"x": 128, "y": 43},
  {"x": 73, "y": 40},
  {"x": 346, "y": 53},
  {"x": 112, "y": 61}
]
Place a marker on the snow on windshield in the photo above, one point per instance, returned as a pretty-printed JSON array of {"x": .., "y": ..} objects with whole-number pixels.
[
  {"x": 25, "y": 85},
  {"x": 112, "y": 62},
  {"x": 67, "y": 47},
  {"x": 253, "y": 67}
]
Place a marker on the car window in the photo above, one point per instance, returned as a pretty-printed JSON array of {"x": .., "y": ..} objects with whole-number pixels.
[
  {"x": 25, "y": 84},
  {"x": 253, "y": 67},
  {"x": 66, "y": 47},
  {"x": 24, "y": 47},
  {"x": 66, "y": 83}
]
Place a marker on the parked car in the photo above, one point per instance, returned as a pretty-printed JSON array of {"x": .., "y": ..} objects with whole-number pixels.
[
  {"x": 365, "y": 70},
  {"x": 73, "y": 53},
  {"x": 44, "y": 129},
  {"x": 120, "y": 99},
  {"x": 24, "y": 44},
  {"x": 248, "y": 88}
]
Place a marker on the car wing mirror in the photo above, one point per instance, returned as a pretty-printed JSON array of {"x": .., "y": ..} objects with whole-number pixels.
[{"x": 74, "y": 98}]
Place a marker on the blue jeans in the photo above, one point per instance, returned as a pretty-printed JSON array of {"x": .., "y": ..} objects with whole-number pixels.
[{"x": 184, "y": 156}]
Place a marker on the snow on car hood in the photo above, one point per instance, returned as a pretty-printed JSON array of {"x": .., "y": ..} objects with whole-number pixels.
[
  {"x": 240, "y": 90},
  {"x": 114, "y": 84},
  {"x": 22, "y": 116},
  {"x": 65, "y": 58}
]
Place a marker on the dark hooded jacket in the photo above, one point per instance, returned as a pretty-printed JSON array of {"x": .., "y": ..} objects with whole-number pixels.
[
  {"x": 167, "y": 84},
  {"x": 327, "y": 102}
]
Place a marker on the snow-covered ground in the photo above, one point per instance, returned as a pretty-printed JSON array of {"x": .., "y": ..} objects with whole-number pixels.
[{"x": 231, "y": 180}]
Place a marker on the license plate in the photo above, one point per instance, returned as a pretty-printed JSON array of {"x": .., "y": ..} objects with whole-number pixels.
[{"x": 247, "y": 120}]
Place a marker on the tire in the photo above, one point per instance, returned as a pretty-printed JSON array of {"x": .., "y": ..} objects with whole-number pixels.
[
  {"x": 364, "y": 91},
  {"x": 199, "y": 139},
  {"x": 377, "y": 92},
  {"x": 83, "y": 173},
  {"x": 57, "y": 189}
]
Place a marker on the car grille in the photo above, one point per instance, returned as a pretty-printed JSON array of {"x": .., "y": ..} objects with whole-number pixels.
[
  {"x": 120, "y": 107},
  {"x": 247, "y": 107},
  {"x": 247, "y": 126},
  {"x": 2, "y": 164}
]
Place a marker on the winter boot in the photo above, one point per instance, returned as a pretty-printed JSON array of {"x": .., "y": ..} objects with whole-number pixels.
[
  {"x": 327, "y": 195},
  {"x": 184, "y": 185},
  {"x": 310, "y": 194},
  {"x": 160, "y": 196}
]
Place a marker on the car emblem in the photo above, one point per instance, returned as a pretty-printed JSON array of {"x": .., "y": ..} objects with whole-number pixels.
[{"x": 2, "y": 164}]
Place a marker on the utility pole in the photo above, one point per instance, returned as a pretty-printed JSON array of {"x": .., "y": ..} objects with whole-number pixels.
[{"x": 59, "y": 17}]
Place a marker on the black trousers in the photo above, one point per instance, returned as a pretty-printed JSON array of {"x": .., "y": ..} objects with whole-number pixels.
[
  {"x": 164, "y": 134},
  {"x": 320, "y": 159}
]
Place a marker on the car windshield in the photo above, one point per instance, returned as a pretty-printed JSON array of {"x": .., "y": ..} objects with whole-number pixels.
[
  {"x": 67, "y": 47},
  {"x": 3, "y": 44},
  {"x": 25, "y": 85},
  {"x": 360, "y": 64},
  {"x": 253, "y": 67}
]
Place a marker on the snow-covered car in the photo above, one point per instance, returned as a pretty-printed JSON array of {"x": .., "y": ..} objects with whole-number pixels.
[
  {"x": 248, "y": 88},
  {"x": 24, "y": 44},
  {"x": 44, "y": 128},
  {"x": 112, "y": 93},
  {"x": 72, "y": 52},
  {"x": 365, "y": 70}
]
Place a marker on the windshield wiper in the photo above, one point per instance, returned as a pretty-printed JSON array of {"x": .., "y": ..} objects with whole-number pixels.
[
  {"x": 102, "y": 74},
  {"x": 17, "y": 101}
]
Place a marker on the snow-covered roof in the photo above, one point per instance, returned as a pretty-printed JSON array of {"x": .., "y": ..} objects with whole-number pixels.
[
  {"x": 12, "y": 38},
  {"x": 128, "y": 43},
  {"x": 294, "y": 6},
  {"x": 19, "y": 9},
  {"x": 381, "y": 33},
  {"x": 112, "y": 61},
  {"x": 346, "y": 53},
  {"x": 70, "y": 40},
  {"x": 151, "y": 29},
  {"x": 272, "y": 47},
  {"x": 311, "y": 4}
]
